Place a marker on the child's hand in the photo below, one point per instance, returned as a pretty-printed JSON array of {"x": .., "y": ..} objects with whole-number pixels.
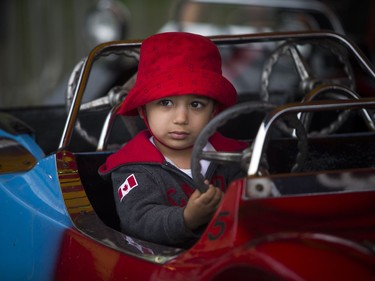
[{"x": 201, "y": 206}]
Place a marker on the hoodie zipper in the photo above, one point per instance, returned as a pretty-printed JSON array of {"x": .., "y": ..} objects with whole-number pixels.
[{"x": 172, "y": 168}]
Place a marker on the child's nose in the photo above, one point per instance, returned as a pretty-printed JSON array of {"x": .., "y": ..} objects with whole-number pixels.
[{"x": 181, "y": 115}]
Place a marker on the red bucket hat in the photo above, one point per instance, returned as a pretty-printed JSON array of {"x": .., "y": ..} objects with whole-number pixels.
[{"x": 178, "y": 63}]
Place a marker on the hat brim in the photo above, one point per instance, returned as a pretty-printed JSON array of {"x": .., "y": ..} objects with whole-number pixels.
[{"x": 204, "y": 83}]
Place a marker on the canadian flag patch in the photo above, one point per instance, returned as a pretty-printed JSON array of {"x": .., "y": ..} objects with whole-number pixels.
[{"x": 126, "y": 186}]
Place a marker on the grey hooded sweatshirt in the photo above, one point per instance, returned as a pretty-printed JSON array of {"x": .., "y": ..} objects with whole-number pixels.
[{"x": 151, "y": 193}]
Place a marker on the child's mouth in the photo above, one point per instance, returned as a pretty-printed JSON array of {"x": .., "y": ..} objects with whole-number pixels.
[{"x": 179, "y": 135}]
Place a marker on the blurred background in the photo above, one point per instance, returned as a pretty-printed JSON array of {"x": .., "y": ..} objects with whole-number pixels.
[{"x": 43, "y": 40}]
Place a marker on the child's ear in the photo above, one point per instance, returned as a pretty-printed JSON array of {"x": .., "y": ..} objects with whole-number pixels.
[{"x": 141, "y": 112}]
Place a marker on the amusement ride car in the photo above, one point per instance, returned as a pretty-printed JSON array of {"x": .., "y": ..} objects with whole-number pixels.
[{"x": 305, "y": 210}]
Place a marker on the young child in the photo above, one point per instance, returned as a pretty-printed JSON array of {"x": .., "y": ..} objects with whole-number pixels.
[{"x": 179, "y": 89}]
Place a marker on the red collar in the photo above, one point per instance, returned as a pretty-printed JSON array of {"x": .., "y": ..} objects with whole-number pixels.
[{"x": 140, "y": 149}]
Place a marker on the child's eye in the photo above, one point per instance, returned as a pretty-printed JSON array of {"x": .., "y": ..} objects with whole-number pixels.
[
  {"x": 197, "y": 104},
  {"x": 165, "y": 102}
]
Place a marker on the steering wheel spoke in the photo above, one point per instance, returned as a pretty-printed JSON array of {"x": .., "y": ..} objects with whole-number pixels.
[
  {"x": 222, "y": 157},
  {"x": 300, "y": 63}
]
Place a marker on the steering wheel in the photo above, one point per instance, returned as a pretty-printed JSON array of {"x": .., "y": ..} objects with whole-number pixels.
[
  {"x": 307, "y": 80},
  {"x": 244, "y": 156}
]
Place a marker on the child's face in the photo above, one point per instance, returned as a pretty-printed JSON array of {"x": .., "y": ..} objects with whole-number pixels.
[{"x": 177, "y": 121}]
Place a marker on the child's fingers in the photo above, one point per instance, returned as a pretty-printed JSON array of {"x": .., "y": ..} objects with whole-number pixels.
[
  {"x": 208, "y": 195},
  {"x": 217, "y": 197},
  {"x": 196, "y": 194},
  {"x": 213, "y": 197}
]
